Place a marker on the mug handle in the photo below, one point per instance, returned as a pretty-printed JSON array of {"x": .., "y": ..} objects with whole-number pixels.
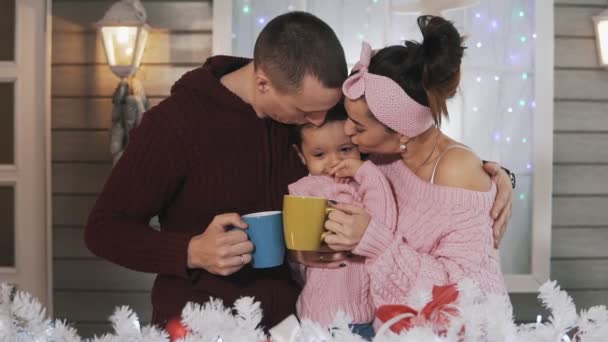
[{"x": 326, "y": 233}]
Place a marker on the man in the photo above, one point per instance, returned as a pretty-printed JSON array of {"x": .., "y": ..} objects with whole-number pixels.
[{"x": 216, "y": 147}]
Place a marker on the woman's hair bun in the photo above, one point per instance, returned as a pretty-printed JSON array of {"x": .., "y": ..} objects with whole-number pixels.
[{"x": 442, "y": 48}]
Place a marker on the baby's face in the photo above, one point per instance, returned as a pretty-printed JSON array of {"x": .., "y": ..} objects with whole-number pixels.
[{"x": 324, "y": 147}]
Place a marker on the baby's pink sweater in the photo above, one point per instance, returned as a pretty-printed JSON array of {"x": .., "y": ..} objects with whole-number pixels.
[
  {"x": 326, "y": 291},
  {"x": 443, "y": 235}
]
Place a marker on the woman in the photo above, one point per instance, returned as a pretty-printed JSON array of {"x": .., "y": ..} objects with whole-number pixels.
[{"x": 396, "y": 101}]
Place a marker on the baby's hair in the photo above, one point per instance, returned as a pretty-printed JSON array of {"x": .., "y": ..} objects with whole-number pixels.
[{"x": 336, "y": 113}]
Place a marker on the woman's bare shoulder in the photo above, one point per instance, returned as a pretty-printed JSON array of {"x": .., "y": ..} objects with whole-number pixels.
[{"x": 462, "y": 168}]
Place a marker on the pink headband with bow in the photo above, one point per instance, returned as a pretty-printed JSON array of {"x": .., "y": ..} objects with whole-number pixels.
[{"x": 387, "y": 101}]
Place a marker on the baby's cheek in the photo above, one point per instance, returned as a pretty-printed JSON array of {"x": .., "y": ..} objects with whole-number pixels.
[{"x": 317, "y": 168}]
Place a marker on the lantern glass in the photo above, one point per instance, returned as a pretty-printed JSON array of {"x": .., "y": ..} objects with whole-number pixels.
[
  {"x": 124, "y": 46},
  {"x": 602, "y": 39}
]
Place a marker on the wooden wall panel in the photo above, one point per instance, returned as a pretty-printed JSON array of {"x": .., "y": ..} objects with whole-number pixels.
[
  {"x": 162, "y": 48},
  {"x": 81, "y": 146},
  {"x": 602, "y": 3},
  {"x": 581, "y": 116},
  {"x": 580, "y": 180},
  {"x": 580, "y": 243},
  {"x": 81, "y": 179},
  {"x": 97, "y": 80},
  {"x": 576, "y": 53},
  {"x": 580, "y": 211},
  {"x": 79, "y": 16},
  {"x": 580, "y": 185},
  {"x": 577, "y": 84},
  {"x": 70, "y": 305},
  {"x": 84, "y": 113},
  {"x": 575, "y": 21},
  {"x": 580, "y": 274},
  {"x": 68, "y": 243},
  {"x": 580, "y": 148},
  {"x": 82, "y": 86},
  {"x": 98, "y": 275},
  {"x": 71, "y": 210}
]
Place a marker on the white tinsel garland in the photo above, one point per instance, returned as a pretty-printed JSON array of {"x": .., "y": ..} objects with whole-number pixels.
[{"x": 480, "y": 318}]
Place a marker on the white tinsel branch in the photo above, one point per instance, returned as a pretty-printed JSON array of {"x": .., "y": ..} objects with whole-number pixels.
[
  {"x": 480, "y": 318},
  {"x": 211, "y": 322},
  {"x": 592, "y": 324},
  {"x": 64, "y": 333}
]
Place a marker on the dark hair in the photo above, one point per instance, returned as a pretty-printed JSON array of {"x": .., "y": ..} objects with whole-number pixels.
[
  {"x": 429, "y": 72},
  {"x": 336, "y": 113},
  {"x": 298, "y": 43}
]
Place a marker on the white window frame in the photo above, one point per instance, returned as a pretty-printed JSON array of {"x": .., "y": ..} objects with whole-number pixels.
[{"x": 30, "y": 173}]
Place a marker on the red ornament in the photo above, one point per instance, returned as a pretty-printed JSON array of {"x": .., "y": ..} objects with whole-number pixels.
[{"x": 176, "y": 329}]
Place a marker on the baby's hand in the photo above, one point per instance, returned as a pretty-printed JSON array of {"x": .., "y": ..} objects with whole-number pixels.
[{"x": 346, "y": 168}]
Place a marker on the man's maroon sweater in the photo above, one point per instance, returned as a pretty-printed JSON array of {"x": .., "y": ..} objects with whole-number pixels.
[{"x": 199, "y": 153}]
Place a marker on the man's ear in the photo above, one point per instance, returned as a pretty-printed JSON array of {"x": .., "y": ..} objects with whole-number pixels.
[
  {"x": 262, "y": 82},
  {"x": 297, "y": 149}
]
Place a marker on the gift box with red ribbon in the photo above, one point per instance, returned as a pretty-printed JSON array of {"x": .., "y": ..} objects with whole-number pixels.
[{"x": 437, "y": 313}]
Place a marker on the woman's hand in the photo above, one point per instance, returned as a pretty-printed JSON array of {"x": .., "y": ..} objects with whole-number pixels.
[
  {"x": 348, "y": 223},
  {"x": 323, "y": 258},
  {"x": 503, "y": 205}
]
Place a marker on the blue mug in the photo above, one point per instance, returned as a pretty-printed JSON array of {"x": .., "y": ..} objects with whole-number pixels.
[{"x": 265, "y": 231}]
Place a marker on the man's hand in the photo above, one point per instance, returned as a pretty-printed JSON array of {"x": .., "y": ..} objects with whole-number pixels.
[
  {"x": 503, "y": 205},
  {"x": 218, "y": 250}
]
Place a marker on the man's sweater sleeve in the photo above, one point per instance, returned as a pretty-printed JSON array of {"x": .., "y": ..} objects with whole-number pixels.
[{"x": 141, "y": 184}]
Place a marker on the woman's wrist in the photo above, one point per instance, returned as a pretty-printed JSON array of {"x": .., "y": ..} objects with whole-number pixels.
[{"x": 374, "y": 241}]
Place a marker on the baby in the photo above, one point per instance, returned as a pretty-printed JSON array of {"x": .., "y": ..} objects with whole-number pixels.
[{"x": 324, "y": 149}]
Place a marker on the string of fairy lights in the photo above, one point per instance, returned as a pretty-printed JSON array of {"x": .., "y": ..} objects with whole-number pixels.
[
  {"x": 481, "y": 19},
  {"x": 504, "y": 36}
]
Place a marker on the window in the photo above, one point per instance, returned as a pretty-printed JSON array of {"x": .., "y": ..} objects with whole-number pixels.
[{"x": 504, "y": 109}]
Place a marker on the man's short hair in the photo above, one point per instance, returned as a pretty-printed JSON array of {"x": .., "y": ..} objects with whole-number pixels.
[
  {"x": 336, "y": 113},
  {"x": 298, "y": 43}
]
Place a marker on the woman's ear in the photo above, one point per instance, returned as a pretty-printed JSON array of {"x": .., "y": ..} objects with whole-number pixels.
[
  {"x": 297, "y": 149},
  {"x": 403, "y": 141}
]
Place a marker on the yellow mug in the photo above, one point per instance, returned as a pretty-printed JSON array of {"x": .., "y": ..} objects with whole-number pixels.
[{"x": 304, "y": 221}]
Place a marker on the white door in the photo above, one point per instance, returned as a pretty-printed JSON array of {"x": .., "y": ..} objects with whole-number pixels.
[{"x": 24, "y": 85}]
